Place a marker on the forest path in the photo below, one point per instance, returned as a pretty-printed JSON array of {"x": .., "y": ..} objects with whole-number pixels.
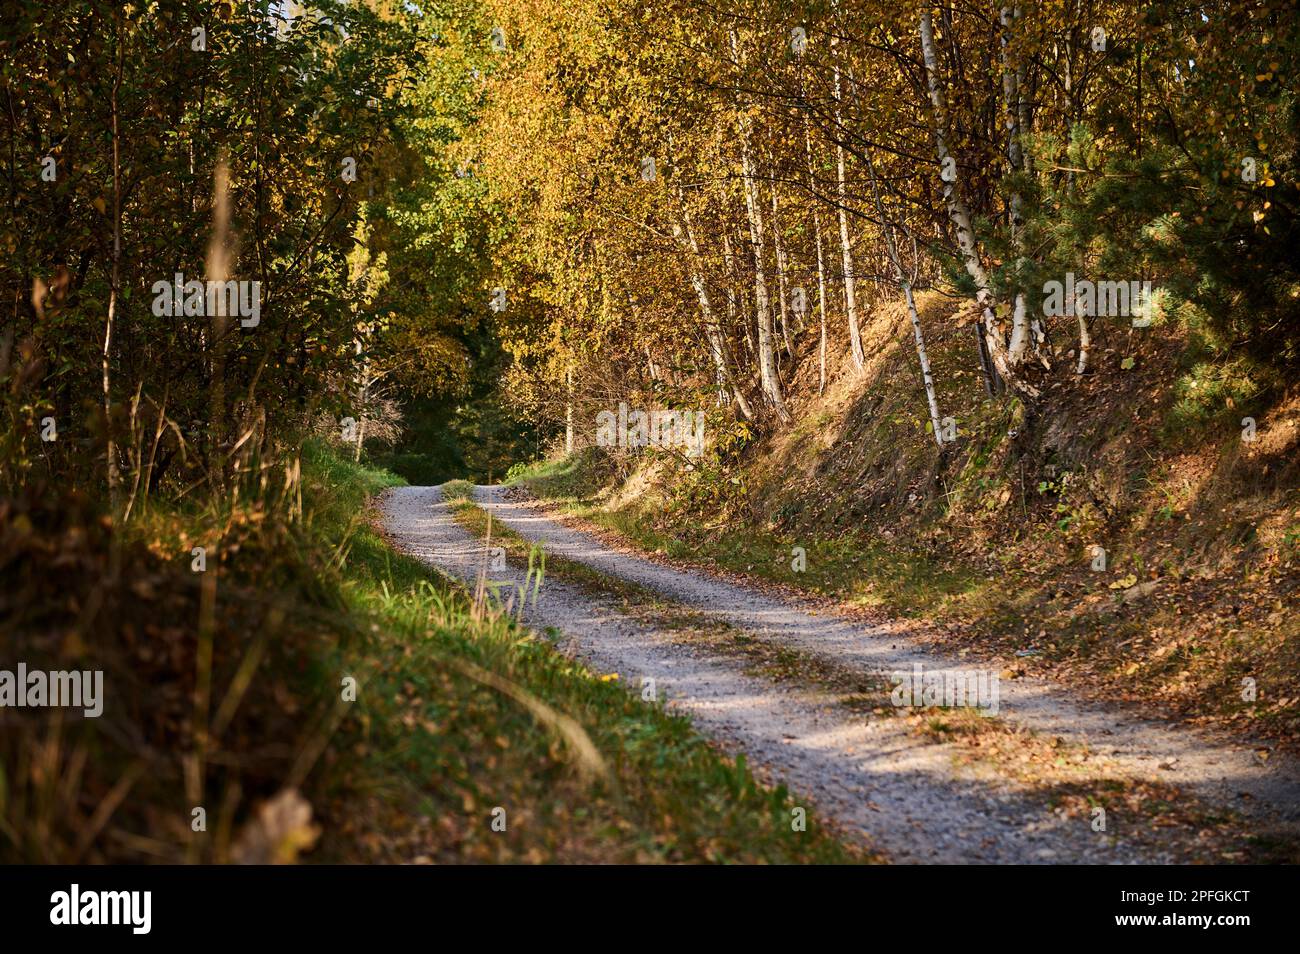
[{"x": 913, "y": 795}]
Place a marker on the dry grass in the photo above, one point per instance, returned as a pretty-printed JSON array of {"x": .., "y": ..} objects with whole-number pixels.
[{"x": 987, "y": 543}]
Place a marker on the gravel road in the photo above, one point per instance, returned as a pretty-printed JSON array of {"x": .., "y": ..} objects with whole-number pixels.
[{"x": 876, "y": 778}]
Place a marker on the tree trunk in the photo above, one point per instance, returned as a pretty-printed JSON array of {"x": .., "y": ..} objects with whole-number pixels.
[
  {"x": 712, "y": 329},
  {"x": 217, "y": 269},
  {"x": 959, "y": 215},
  {"x": 846, "y": 248},
  {"x": 1011, "y": 79},
  {"x": 770, "y": 383},
  {"x": 1085, "y": 342},
  {"x": 110, "y": 451},
  {"x": 363, "y": 396},
  {"x": 821, "y": 266},
  {"x": 926, "y": 378},
  {"x": 568, "y": 409},
  {"x": 891, "y": 249},
  {"x": 781, "y": 275}
]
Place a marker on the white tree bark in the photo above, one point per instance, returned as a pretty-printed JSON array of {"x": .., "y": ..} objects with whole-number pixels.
[
  {"x": 891, "y": 249},
  {"x": 568, "y": 408},
  {"x": 781, "y": 283},
  {"x": 712, "y": 329},
  {"x": 1085, "y": 339},
  {"x": 821, "y": 267},
  {"x": 846, "y": 247},
  {"x": 959, "y": 215},
  {"x": 768, "y": 380},
  {"x": 927, "y": 378},
  {"x": 1011, "y": 78},
  {"x": 821, "y": 308}
]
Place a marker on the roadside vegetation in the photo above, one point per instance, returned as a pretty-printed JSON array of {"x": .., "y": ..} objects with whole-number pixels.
[
  {"x": 457, "y": 712},
  {"x": 262, "y": 262},
  {"x": 988, "y": 544},
  {"x": 1066, "y": 778}
]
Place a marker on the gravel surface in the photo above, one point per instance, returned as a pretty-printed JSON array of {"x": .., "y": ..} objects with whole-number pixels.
[{"x": 913, "y": 799}]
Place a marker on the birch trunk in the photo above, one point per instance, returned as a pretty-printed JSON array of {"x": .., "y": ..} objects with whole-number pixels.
[
  {"x": 891, "y": 249},
  {"x": 568, "y": 409},
  {"x": 782, "y": 290},
  {"x": 821, "y": 267},
  {"x": 1085, "y": 342},
  {"x": 959, "y": 215},
  {"x": 738, "y": 301},
  {"x": 363, "y": 393},
  {"x": 821, "y": 307},
  {"x": 926, "y": 377},
  {"x": 712, "y": 329},
  {"x": 846, "y": 248},
  {"x": 770, "y": 383},
  {"x": 1011, "y": 79}
]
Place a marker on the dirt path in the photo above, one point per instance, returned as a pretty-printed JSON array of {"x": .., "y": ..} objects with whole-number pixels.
[{"x": 914, "y": 798}]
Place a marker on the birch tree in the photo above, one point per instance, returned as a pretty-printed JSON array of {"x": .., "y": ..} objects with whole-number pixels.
[
  {"x": 905, "y": 283},
  {"x": 821, "y": 266},
  {"x": 846, "y": 245},
  {"x": 960, "y": 218},
  {"x": 770, "y": 383},
  {"x": 1013, "y": 110}
]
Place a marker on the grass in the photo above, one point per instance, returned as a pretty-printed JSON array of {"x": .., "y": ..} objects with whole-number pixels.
[
  {"x": 999, "y": 564},
  {"x": 220, "y": 672},
  {"x": 858, "y": 571},
  {"x": 461, "y": 722},
  {"x": 1064, "y": 776},
  {"x": 761, "y": 657},
  {"x": 457, "y": 490},
  {"x": 351, "y": 686}
]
